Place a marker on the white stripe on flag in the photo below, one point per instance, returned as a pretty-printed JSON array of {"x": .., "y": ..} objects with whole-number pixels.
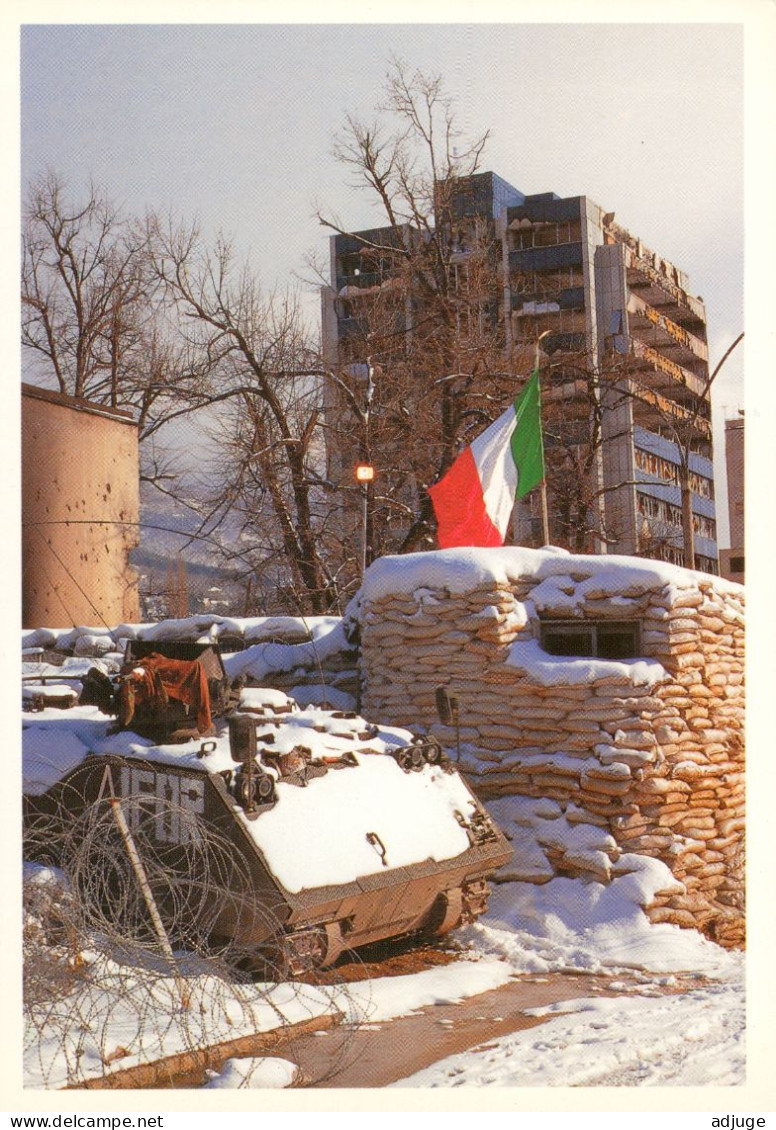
[{"x": 496, "y": 468}]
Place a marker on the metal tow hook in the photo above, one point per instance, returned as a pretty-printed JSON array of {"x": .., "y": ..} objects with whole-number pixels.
[{"x": 378, "y": 845}]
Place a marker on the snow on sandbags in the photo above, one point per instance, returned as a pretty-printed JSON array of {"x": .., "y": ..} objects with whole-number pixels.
[
  {"x": 289, "y": 649},
  {"x": 38, "y": 637},
  {"x": 263, "y": 659},
  {"x": 203, "y": 629},
  {"x": 90, "y": 643},
  {"x": 280, "y": 629},
  {"x": 58, "y": 693},
  {"x": 614, "y": 739}
]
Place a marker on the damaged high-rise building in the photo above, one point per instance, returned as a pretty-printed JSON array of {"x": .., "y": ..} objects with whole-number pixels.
[{"x": 626, "y": 402}]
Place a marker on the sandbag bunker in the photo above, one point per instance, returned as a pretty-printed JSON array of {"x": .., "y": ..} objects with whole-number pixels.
[
  {"x": 611, "y": 688},
  {"x": 281, "y": 834}
]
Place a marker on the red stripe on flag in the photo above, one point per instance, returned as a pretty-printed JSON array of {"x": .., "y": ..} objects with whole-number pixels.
[{"x": 460, "y": 508}]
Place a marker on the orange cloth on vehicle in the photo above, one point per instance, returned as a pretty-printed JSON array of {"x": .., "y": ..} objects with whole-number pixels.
[{"x": 162, "y": 678}]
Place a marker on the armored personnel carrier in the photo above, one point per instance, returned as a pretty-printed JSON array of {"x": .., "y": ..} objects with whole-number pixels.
[{"x": 295, "y": 833}]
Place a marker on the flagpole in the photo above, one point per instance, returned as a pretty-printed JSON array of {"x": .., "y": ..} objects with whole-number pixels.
[{"x": 543, "y": 483}]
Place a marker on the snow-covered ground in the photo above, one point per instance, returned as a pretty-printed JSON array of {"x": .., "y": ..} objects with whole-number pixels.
[
  {"x": 691, "y": 1039},
  {"x": 657, "y": 1033},
  {"x": 679, "y": 1018}
]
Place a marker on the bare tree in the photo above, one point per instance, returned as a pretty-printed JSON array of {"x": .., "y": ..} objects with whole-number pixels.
[
  {"x": 254, "y": 353},
  {"x": 421, "y": 300},
  {"x": 143, "y": 316},
  {"x": 84, "y": 291},
  {"x": 93, "y": 321}
]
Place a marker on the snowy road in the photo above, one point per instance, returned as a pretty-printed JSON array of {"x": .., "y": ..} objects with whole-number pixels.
[
  {"x": 691, "y": 1039},
  {"x": 538, "y": 1031},
  {"x": 535, "y": 999},
  {"x": 584, "y": 992}
]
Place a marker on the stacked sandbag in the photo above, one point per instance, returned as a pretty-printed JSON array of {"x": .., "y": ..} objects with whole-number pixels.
[
  {"x": 698, "y": 793},
  {"x": 281, "y": 651},
  {"x": 409, "y": 647},
  {"x": 650, "y": 750}
]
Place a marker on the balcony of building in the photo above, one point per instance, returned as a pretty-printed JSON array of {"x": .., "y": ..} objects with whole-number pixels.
[
  {"x": 546, "y": 295},
  {"x": 659, "y": 517},
  {"x": 656, "y": 330},
  {"x": 649, "y": 368},
  {"x": 368, "y": 259},
  {"x": 664, "y": 294},
  {"x": 657, "y": 468},
  {"x": 358, "y": 279},
  {"x": 657, "y": 281},
  {"x": 545, "y": 207},
  {"x": 565, "y": 325},
  {"x": 666, "y": 493},
  {"x": 658, "y": 413},
  {"x": 359, "y": 282},
  {"x": 352, "y": 327},
  {"x": 524, "y": 234},
  {"x": 372, "y": 240},
  {"x": 527, "y": 260},
  {"x": 569, "y": 401}
]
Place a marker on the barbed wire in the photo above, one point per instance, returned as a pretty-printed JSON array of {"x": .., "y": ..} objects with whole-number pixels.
[{"x": 156, "y": 958}]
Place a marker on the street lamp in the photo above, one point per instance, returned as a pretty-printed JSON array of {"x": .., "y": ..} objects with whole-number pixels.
[{"x": 365, "y": 474}]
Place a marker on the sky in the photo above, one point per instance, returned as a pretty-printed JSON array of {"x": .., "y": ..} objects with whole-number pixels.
[{"x": 234, "y": 123}]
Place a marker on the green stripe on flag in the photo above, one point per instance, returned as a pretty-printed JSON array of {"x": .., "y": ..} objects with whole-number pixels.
[{"x": 526, "y": 443}]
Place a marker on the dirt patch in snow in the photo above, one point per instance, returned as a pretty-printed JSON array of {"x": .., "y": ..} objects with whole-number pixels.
[{"x": 386, "y": 959}]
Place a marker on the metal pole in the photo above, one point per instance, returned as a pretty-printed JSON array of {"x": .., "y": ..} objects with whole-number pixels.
[
  {"x": 364, "y": 517},
  {"x": 148, "y": 894},
  {"x": 142, "y": 878},
  {"x": 545, "y": 513},
  {"x": 368, "y": 397},
  {"x": 543, "y": 484}
]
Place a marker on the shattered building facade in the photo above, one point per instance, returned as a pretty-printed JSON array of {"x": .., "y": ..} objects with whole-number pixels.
[{"x": 626, "y": 368}]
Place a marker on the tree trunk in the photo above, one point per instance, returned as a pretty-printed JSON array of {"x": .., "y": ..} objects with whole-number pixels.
[{"x": 688, "y": 530}]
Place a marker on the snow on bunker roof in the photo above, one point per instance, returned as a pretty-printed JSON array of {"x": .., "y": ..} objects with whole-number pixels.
[{"x": 463, "y": 569}]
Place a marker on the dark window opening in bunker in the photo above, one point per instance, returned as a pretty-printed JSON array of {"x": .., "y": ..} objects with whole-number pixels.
[{"x": 601, "y": 639}]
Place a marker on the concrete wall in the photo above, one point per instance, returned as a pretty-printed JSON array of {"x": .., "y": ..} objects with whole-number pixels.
[{"x": 80, "y": 498}]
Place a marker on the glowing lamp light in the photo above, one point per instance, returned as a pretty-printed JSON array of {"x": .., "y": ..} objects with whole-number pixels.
[{"x": 365, "y": 473}]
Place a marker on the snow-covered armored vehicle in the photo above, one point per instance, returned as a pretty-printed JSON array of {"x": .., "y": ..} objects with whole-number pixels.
[{"x": 295, "y": 833}]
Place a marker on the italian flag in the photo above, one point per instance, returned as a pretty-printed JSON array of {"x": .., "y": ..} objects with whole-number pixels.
[{"x": 474, "y": 500}]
